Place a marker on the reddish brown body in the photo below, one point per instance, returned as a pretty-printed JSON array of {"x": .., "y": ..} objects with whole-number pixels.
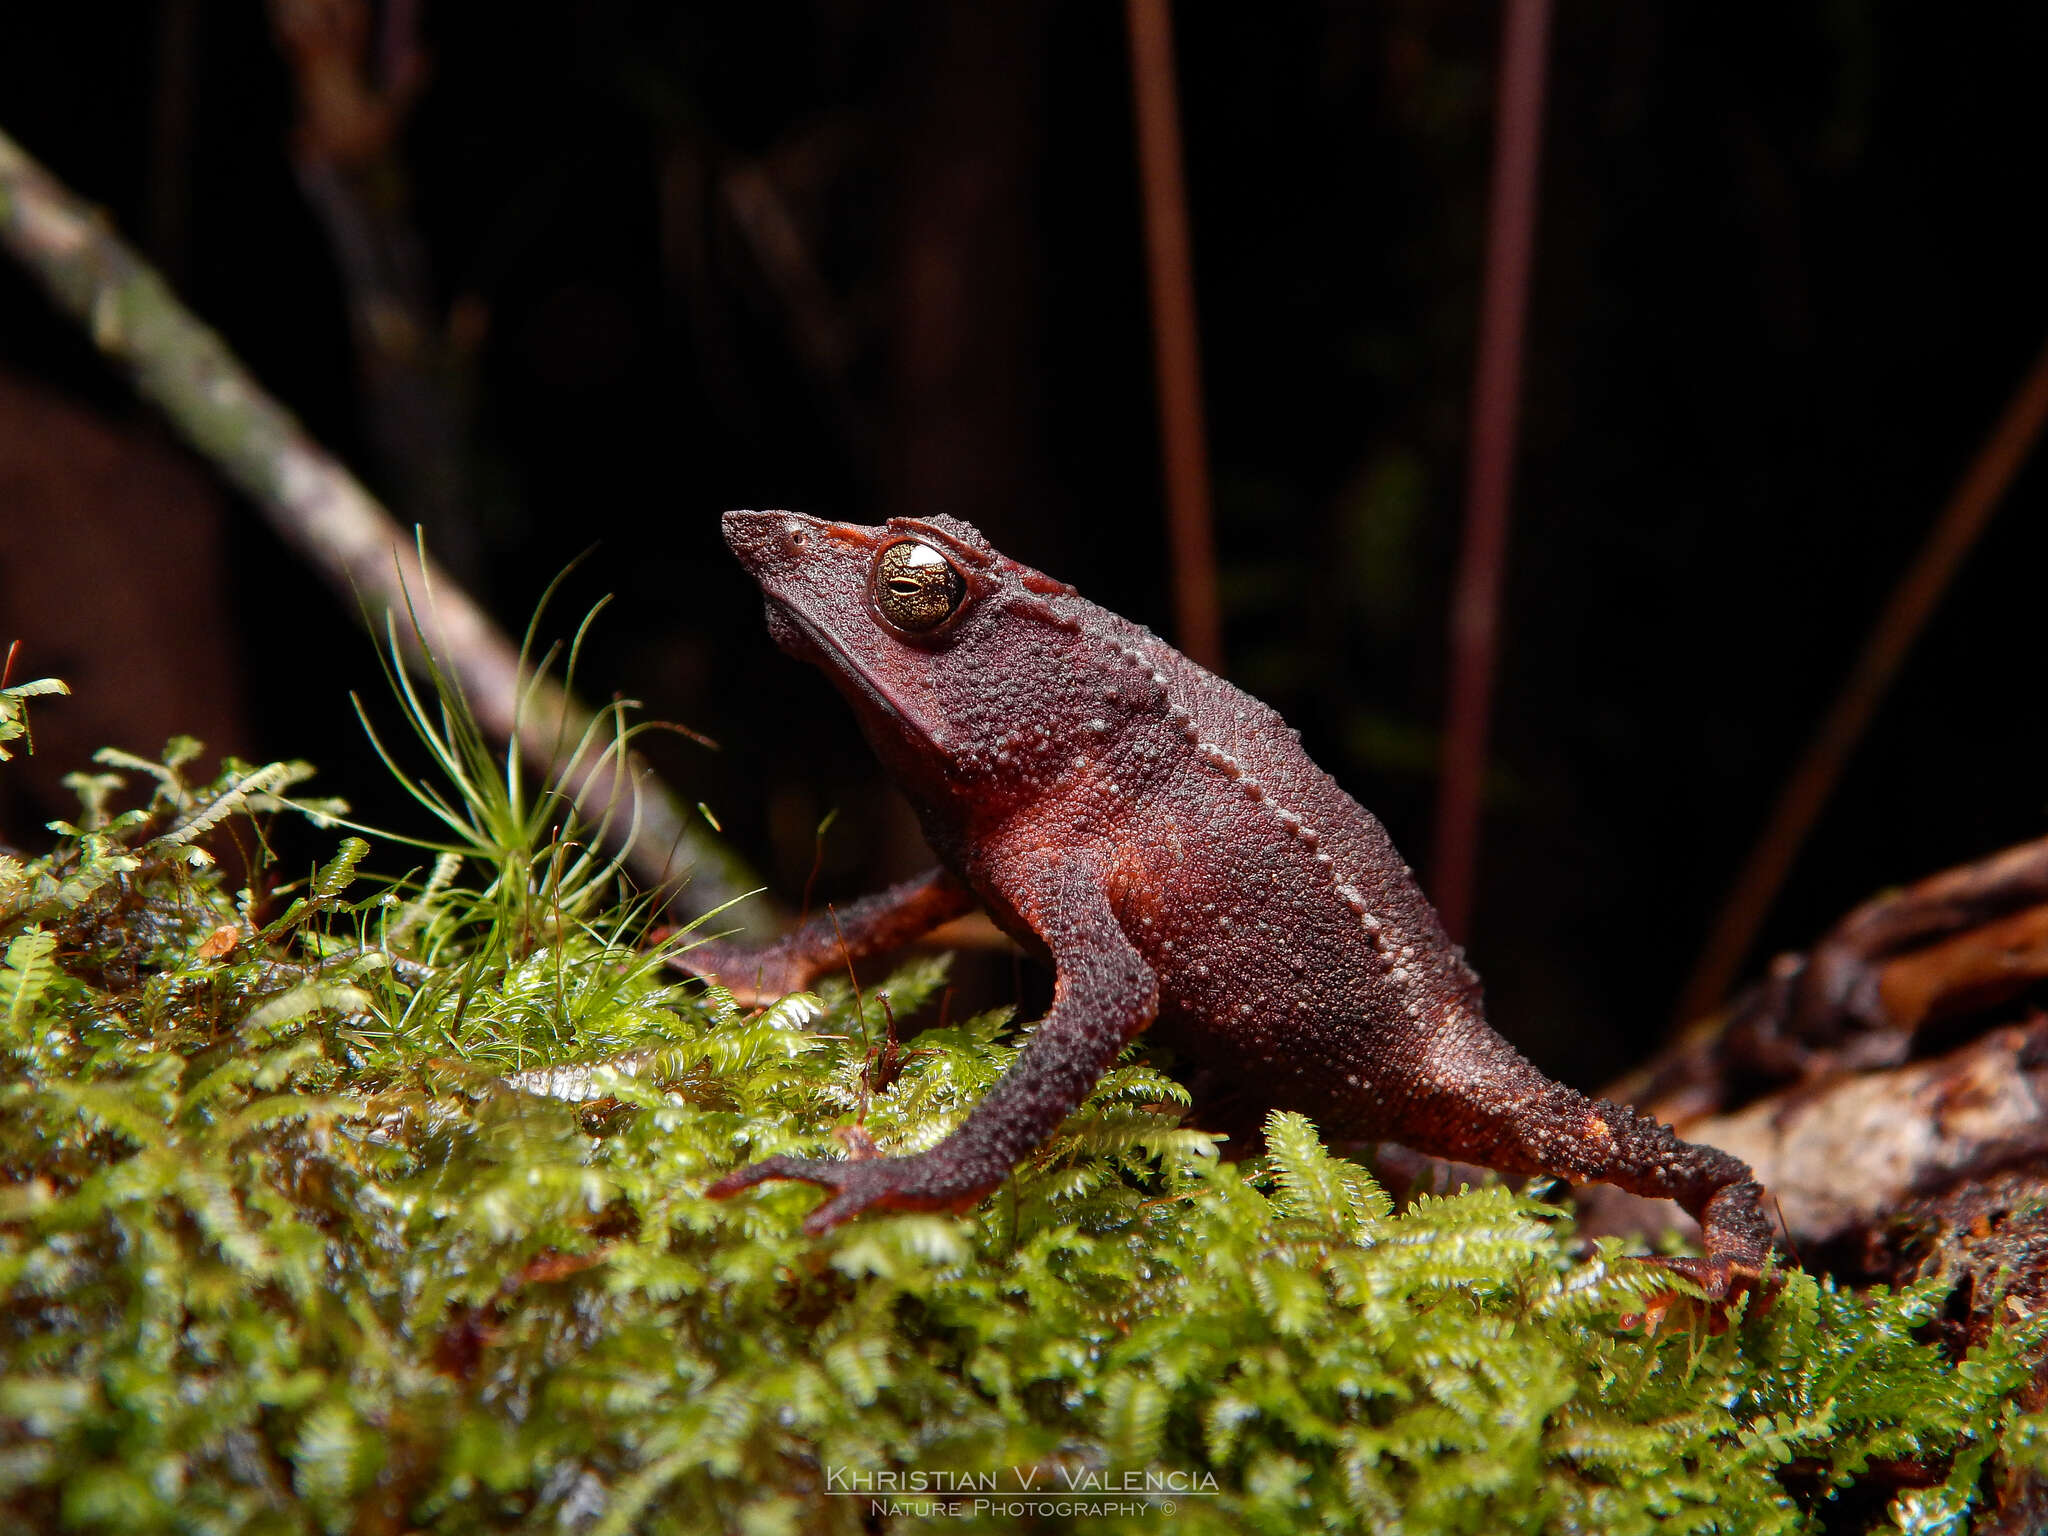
[{"x": 1162, "y": 837}]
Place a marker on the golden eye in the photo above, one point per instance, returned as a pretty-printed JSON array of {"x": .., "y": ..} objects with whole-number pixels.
[{"x": 916, "y": 587}]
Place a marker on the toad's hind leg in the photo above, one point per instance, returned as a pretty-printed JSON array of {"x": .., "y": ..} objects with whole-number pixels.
[{"x": 1471, "y": 1096}]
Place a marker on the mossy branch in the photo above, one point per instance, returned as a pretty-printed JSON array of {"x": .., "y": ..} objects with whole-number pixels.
[{"x": 185, "y": 370}]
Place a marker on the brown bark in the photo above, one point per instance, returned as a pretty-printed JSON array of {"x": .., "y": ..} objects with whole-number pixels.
[{"x": 90, "y": 507}]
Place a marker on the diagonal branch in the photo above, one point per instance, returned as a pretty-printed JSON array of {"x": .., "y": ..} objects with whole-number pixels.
[
  {"x": 188, "y": 373},
  {"x": 1912, "y": 603}
]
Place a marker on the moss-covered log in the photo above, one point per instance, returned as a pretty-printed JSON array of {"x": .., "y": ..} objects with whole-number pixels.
[{"x": 360, "y": 1204}]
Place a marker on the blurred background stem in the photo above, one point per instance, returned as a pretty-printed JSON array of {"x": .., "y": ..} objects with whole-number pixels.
[
  {"x": 1177, "y": 351},
  {"x": 1496, "y": 414}
]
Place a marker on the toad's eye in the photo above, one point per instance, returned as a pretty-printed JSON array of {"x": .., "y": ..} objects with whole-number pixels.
[{"x": 916, "y": 587}]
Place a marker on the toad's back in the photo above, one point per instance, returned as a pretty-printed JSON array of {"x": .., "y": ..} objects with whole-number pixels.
[{"x": 1293, "y": 949}]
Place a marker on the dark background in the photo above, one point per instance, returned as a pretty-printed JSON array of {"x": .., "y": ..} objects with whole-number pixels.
[{"x": 1789, "y": 266}]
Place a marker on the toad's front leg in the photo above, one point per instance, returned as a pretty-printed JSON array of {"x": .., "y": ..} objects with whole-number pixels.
[{"x": 1104, "y": 995}]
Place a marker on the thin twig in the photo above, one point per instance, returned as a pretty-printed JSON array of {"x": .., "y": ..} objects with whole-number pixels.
[
  {"x": 1912, "y": 602},
  {"x": 1182, "y": 435},
  {"x": 1496, "y": 412},
  {"x": 186, "y": 370}
]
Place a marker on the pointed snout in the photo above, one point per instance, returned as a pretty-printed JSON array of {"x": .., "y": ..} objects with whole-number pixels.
[
  {"x": 752, "y": 535},
  {"x": 771, "y": 541}
]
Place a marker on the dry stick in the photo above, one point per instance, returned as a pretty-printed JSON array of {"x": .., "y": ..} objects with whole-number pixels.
[
  {"x": 1806, "y": 792},
  {"x": 318, "y": 506},
  {"x": 1178, "y": 352},
  {"x": 1496, "y": 411}
]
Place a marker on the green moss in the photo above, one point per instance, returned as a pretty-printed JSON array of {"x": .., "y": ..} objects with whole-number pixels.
[{"x": 306, "y": 1234}]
